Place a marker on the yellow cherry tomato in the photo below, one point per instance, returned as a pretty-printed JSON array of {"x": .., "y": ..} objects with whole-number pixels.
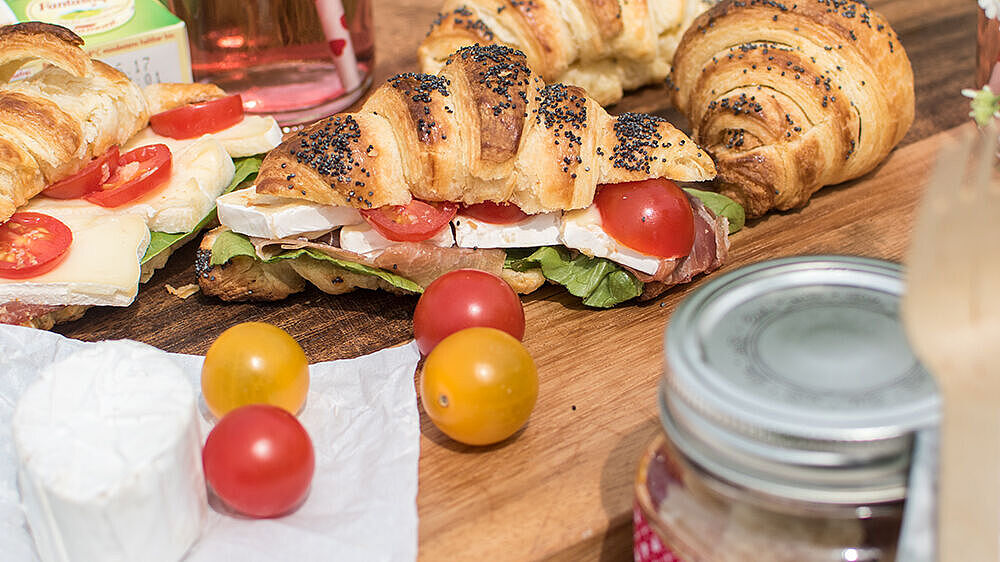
[
  {"x": 479, "y": 386},
  {"x": 254, "y": 363}
]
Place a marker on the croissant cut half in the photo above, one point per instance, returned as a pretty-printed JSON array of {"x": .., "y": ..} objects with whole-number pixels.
[
  {"x": 485, "y": 129},
  {"x": 603, "y": 46},
  {"x": 53, "y": 122},
  {"x": 791, "y": 97}
]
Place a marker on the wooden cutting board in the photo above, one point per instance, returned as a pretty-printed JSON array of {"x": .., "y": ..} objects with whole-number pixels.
[{"x": 562, "y": 487}]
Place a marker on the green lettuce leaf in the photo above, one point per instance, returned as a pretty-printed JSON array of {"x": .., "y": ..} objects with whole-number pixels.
[
  {"x": 230, "y": 244},
  {"x": 246, "y": 172},
  {"x": 600, "y": 282},
  {"x": 722, "y": 206}
]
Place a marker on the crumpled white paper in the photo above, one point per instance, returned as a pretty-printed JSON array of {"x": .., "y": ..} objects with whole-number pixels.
[{"x": 362, "y": 417}]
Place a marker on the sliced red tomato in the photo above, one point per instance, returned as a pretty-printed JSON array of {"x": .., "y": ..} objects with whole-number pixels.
[
  {"x": 495, "y": 213},
  {"x": 90, "y": 178},
  {"x": 650, "y": 216},
  {"x": 196, "y": 119},
  {"x": 32, "y": 244},
  {"x": 139, "y": 171},
  {"x": 412, "y": 222}
]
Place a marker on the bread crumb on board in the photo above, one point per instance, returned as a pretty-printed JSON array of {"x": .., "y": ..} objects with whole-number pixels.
[{"x": 182, "y": 292}]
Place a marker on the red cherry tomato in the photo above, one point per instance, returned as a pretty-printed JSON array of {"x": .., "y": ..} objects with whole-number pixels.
[
  {"x": 259, "y": 460},
  {"x": 651, "y": 216},
  {"x": 88, "y": 179},
  {"x": 466, "y": 298},
  {"x": 412, "y": 222},
  {"x": 196, "y": 119},
  {"x": 495, "y": 213},
  {"x": 139, "y": 171},
  {"x": 32, "y": 244}
]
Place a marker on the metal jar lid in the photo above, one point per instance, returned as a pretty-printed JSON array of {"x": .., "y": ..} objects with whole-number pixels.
[{"x": 793, "y": 378}]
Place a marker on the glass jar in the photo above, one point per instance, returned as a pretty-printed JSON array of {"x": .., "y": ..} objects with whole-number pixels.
[
  {"x": 702, "y": 518},
  {"x": 297, "y": 60},
  {"x": 789, "y": 403}
]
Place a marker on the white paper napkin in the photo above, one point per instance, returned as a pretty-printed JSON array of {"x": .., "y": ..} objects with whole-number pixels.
[{"x": 362, "y": 417}]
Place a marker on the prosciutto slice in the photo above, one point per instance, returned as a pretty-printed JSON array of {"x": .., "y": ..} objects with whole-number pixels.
[
  {"x": 423, "y": 263},
  {"x": 21, "y": 314},
  {"x": 420, "y": 263},
  {"x": 267, "y": 249},
  {"x": 708, "y": 253}
]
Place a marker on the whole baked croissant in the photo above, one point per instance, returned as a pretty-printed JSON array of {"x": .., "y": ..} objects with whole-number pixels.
[
  {"x": 55, "y": 121},
  {"x": 603, "y": 46},
  {"x": 485, "y": 129},
  {"x": 789, "y": 97}
]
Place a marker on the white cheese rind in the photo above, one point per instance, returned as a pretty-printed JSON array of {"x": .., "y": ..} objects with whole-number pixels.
[
  {"x": 200, "y": 172},
  {"x": 102, "y": 267},
  {"x": 581, "y": 230},
  {"x": 109, "y": 455},
  {"x": 253, "y": 135},
  {"x": 533, "y": 232},
  {"x": 266, "y": 216},
  {"x": 362, "y": 238}
]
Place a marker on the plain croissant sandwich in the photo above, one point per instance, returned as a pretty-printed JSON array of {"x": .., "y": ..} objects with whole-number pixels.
[
  {"x": 791, "y": 97},
  {"x": 370, "y": 199},
  {"x": 100, "y": 181},
  {"x": 603, "y": 47},
  {"x": 59, "y": 119}
]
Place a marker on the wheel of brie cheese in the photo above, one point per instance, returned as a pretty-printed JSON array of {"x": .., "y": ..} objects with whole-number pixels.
[{"x": 109, "y": 454}]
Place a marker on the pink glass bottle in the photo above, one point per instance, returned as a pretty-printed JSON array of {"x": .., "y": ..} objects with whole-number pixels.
[{"x": 275, "y": 53}]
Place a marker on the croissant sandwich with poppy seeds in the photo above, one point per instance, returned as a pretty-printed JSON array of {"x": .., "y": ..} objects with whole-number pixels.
[{"x": 481, "y": 166}]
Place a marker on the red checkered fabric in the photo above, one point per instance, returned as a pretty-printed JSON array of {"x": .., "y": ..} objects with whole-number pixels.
[{"x": 646, "y": 545}]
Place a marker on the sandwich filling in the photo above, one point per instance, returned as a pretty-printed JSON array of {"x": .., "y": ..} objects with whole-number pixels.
[
  {"x": 581, "y": 249},
  {"x": 125, "y": 222}
]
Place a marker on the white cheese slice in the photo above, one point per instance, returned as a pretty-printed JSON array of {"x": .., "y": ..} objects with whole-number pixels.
[
  {"x": 581, "y": 230},
  {"x": 253, "y": 135},
  {"x": 533, "y": 232},
  {"x": 199, "y": 173},
  {"x": 362, "y": 238},
  {"x": 102, "y": 267},
  {"x": 109, "y": 455},
  {"x": 266, "y": 216}
]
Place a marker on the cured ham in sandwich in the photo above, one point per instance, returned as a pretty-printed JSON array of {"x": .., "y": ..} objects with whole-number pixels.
[{"x": 482, "y": 166}]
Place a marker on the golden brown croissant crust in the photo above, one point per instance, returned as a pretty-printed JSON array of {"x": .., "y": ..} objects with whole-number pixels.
[
  {"x": 791, "y": 97},
  {"x": 485, "y": 129},
  {"x": 55, "y": 121},
  {"x": 604, "y": 46},
  {"x": 167, "y": 96}
]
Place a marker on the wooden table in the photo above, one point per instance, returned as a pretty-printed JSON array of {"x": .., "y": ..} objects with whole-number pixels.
[{"x": 562, "y": 487}]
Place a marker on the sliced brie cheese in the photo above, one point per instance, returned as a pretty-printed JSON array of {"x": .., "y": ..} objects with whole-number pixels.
[
  {"x": 266, "y": 216},
  {"x": 102, "y": 267},
  {"x": 199, "y": 173},
  {"x": 533, "y": 232},
  {"x": 253, "y": 135},
  {"x": 581, "y": 230},
  {"x": 109, "y": 457},
  {"x": 362, "y": 238}
]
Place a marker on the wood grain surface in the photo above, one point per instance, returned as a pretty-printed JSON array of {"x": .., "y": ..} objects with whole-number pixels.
[{"x": 562, "y": 487}]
